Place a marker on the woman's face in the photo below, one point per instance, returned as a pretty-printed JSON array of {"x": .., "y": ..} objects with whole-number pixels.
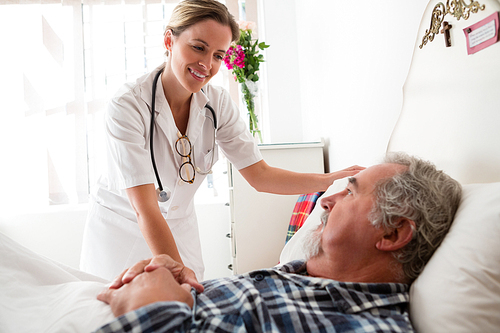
[{"x": 196, "y": 55}]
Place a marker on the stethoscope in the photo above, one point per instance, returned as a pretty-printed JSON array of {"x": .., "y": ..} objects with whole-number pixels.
[{"x": 165, "y": 194}]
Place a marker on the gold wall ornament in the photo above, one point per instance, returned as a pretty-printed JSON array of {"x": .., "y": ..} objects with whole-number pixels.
[
  {"x": 437, "y": 18},
  {"x": 457, "y": 8}
]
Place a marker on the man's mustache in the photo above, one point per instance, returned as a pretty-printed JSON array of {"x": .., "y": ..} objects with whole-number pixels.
[{"x": 324, "y": 218}]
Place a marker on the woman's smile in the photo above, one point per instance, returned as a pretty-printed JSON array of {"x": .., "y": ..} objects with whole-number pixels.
[{"x": 197, "y": 75}]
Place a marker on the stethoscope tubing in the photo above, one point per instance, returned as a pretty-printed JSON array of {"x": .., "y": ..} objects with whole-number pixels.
[
  {"x": 152, "y": 126},
  {"x": 153, "y": 100}
]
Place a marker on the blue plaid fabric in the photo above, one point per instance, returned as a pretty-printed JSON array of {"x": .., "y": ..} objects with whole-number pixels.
[{"x": 277, "y": 300}]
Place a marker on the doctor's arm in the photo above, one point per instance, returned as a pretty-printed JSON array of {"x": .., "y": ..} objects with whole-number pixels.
[
  {"x": 265, "y": 178},
  {"x": 151, "y": 222}
]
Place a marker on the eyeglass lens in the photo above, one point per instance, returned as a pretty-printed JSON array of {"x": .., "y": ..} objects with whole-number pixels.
[{"x": 186, "y": 170}]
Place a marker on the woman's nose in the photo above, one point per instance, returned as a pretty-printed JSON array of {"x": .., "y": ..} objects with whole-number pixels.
[{"x": 206, "y": 63}]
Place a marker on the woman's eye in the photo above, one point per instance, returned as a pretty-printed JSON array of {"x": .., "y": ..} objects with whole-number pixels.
[
  {"x": 219, "y": 57},
  {"x": 348, "y": 191},
  {"x": 198, "y": 48}
]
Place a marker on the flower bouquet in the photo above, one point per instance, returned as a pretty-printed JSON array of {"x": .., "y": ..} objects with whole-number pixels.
[{"x": 243, "y": 59}]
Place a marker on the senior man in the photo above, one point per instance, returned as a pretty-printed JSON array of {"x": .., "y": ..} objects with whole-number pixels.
[{"x": 376, "y": 237}]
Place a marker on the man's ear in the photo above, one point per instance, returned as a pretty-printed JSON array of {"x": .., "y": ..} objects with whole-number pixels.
[{"x": 396, "y": 239}]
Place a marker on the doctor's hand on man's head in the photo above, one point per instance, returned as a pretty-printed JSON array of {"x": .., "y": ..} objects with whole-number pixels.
[
  {"x": 181, "y": 273},
  {"x": 347, "y": 172}
]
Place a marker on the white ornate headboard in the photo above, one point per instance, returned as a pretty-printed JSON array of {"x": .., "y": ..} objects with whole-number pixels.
[{"x": 451, "y": 100}]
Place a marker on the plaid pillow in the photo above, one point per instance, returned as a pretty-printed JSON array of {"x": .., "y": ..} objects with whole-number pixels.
[{"x": 303, "y": 207}]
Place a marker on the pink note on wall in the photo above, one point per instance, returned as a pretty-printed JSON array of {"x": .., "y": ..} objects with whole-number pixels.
[{"x": 482, "y": 34}]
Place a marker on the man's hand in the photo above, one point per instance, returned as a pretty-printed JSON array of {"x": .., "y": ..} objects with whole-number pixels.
[
  {"x": 146, "y": 288},
  {"x": 180, "y": 273}
]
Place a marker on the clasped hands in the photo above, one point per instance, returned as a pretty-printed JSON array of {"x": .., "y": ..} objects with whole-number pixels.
[{"x": 149, "y": 281}]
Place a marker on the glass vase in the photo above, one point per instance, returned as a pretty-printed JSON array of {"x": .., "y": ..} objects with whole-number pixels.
[{"x": 249, "y": 93}]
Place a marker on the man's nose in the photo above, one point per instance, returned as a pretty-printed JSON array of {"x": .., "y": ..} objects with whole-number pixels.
[{"x": 328, "y": 202}]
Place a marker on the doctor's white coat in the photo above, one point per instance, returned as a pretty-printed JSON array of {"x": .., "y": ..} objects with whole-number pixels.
[{"x": 112, "y": 238}]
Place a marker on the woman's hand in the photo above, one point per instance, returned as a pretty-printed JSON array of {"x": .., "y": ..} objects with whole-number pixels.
[
  {"x": 181, "y": 273},
  {"x": 347, "y": 172}
]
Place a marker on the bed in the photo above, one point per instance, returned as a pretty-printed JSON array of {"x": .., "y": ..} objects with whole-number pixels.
[
  {"x": 450, "y": 115},
  {"x": 41, "y": 295}
]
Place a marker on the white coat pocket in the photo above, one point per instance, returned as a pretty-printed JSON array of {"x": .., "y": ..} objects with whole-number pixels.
[{"x": 210, "y": 159}]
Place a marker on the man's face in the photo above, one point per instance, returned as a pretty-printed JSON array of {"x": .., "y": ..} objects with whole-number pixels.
[{"x": 348, "y": 235}]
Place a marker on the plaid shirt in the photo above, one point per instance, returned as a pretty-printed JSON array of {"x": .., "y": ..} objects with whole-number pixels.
[{"x": 277, "y": 300}]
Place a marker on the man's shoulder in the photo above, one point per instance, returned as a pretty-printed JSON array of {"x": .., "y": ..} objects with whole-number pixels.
[{"x": 295, "y": 266}]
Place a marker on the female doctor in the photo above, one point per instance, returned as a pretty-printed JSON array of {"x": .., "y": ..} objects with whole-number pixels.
[{"x": 172, "y": 121}]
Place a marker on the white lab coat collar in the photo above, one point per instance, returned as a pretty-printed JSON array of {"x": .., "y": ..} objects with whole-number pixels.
[
  {"x": 197, "y": 115},
  {"x": 197, "y": 107},
  {"x": 146, "y": 88}
]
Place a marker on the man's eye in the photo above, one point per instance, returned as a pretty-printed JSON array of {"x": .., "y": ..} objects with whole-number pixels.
[{"x": 348, "y": 191}]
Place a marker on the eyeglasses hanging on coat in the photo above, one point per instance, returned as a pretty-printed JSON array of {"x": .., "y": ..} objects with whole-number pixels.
[{"x": 187, "y": 167}]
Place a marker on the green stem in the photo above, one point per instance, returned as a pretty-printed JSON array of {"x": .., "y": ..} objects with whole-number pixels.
[{"x": 248, "y": 98}]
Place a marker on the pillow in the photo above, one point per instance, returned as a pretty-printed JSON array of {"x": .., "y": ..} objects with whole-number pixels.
[
  {"x": 459, "y": 289},
  {"x": 293, "y": 249},
  {"x": 303, "y": 208}
]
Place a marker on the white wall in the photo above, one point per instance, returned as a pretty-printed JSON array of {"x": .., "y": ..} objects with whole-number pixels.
[{"x": 335, "y": 70}]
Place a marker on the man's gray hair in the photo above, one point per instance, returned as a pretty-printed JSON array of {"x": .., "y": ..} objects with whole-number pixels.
[{"x": 423, "y": 194}]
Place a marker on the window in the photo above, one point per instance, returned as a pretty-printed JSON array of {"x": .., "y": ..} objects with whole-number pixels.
[{"x": 64, "y": 61}]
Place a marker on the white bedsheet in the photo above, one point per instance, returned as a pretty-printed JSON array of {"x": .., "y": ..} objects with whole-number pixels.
[{"x": 40, "y": 295}]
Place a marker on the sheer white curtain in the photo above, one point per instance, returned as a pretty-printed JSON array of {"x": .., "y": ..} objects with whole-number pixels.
[
  {"x": 42, "y": 126},
  {"x": 60, "y": 62}
]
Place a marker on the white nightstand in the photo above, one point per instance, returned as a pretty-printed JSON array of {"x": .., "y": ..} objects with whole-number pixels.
[{"x": 259, "y": 221}]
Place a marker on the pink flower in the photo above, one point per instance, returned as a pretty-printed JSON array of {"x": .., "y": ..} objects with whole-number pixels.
[
  {"x": 235, "y": 56},
  {"x": 246, "y": 25}
]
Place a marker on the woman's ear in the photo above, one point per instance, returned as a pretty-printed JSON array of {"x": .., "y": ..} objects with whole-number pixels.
[
  {"x": 168, "y": 39},
  {"x": 396, "y": 239}
]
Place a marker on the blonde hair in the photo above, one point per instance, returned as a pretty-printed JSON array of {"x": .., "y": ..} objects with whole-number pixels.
[{"x": 190, "y": 12}]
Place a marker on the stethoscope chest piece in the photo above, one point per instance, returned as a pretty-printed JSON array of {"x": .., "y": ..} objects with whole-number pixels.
[{"x": 162, "y": 195}]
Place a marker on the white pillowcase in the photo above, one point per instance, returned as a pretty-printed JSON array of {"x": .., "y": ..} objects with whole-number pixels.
[
  {"x": 293, "y": 249},
  {"x": 459, "y": 289}
]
